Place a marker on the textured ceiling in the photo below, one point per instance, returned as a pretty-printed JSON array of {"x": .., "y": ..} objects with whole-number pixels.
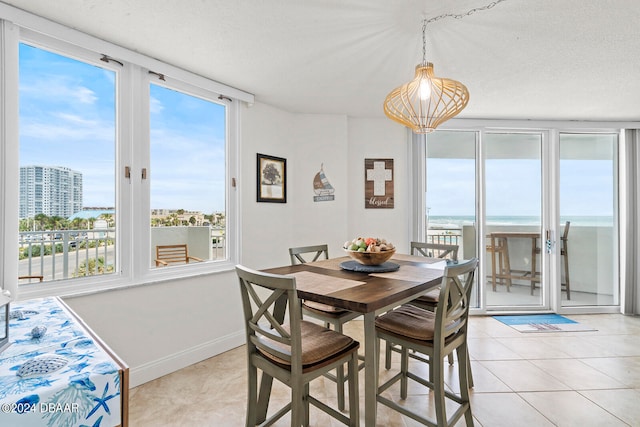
[{"x": 522, "y": 59}]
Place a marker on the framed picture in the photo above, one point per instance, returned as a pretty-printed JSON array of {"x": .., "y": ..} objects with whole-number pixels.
[{"x": 271, "y": 179}]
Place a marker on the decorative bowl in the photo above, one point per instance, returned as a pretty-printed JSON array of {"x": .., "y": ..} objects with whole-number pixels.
[{"x": 371, "y": 258}]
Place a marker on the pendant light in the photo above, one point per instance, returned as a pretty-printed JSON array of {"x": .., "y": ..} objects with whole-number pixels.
[{"x": 426, "y": 101}]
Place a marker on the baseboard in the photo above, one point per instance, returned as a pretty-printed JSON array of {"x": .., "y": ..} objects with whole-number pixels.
[{"x": 155, "y": 369}]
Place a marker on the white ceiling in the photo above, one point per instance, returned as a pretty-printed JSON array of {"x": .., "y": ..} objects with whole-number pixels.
[{"x": 522, "y": 59}]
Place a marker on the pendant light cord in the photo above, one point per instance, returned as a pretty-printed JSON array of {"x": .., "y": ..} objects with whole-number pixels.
[{"x": 425, "y": 22}]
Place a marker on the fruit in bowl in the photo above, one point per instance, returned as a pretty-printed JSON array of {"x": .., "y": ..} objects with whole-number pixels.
[{"x": 369, "y": 250}]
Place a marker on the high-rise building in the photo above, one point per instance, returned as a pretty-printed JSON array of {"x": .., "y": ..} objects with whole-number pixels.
[{"x": 50, "y": 190}]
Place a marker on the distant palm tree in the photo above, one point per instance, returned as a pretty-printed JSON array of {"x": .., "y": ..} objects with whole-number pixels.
[
  {"x": 77, "y": 223},
  {"x": 57, "y": 223},
  {"x": 41, "y": 221},
  {"x": 90, "y": 222},
  {"x": 109, "y": 218}
]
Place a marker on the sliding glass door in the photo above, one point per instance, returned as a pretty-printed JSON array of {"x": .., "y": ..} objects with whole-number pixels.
[
  {"x": 451, "y": 188},
  {"x": 588, "y": 219},
  {"x": 513, "y": 220},
  {"x": 538, "y": 208}
]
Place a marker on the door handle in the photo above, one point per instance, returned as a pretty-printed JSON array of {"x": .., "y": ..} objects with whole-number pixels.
[{"x": 549, "y": 242}]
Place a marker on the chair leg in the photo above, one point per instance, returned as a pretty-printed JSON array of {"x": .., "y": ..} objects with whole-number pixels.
[
  {"x": 306, "y": 405},
  {"x": 354, "y": 412},
  {"x": 464, "y": 368},
  {"x": 340, "y": 382},
  {"x": 507, "y": 264},
  {"x": 252, "y": 397},
  {"x": 299, "y": 401},
  {"x": 404, "y": 368},
  {"x": 263, "y": 398},
  {"x": 387, "y": 355},
  {"x": 437, "y": 368},
  {"x": 566, "y": 275},
  {"x": 340, "y": 373},
  {"x": 469, "y": 373}
]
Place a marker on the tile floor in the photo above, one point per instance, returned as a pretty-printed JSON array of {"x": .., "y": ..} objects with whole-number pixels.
[{"x": 521, "y": 379}]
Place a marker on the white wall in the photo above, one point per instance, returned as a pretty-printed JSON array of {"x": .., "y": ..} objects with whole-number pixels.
[
  {"x": 159, "y": 328},
  {"x": 379, "y": 138}
]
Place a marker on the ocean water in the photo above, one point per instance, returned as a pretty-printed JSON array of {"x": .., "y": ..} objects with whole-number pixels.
[{"x": 584, "y": 221}]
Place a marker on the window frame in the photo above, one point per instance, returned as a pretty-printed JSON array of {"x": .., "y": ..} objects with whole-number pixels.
[{"x": 132, "y": 149}]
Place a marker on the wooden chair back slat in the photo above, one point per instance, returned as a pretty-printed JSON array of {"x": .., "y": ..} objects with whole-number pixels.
[
  {"x": 435, "y": 250},
  {"x": 296, "y": 254},
  {"x": 173, "y": 254}
]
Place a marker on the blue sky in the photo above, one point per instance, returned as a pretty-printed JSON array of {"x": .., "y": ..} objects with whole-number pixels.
[
  {"x": 513, "y": 187},
  {"x": 67, "y": 118}
]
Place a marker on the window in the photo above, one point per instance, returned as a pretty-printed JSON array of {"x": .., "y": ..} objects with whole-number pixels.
[
  {"x": 106, "y": 148},
  {"x": 188, "y": 181},
  {"x": 67, "y": 167}
]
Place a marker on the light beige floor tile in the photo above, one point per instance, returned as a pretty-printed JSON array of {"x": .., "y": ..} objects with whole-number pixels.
[
  {"x": 623, "y": 369},
  {"x": 213, "y": 392},
  {"x": 611, "y": 324},
  {"x": 533, "y": 347},
  {"x": 624, "y": 404},
  {"x": 522, "y": 375},
  {"x": 490, "y": 349},
  {"x": 620, "y": 345},
  {"x": 484, "y": 380},
  {"x": 578, "y": 345},
  {"x": 571, "y": 409},
  {"x": 577, "y": 375},
  {"x": 505, "y": 410},
  {"x": 490, "y": 327}
]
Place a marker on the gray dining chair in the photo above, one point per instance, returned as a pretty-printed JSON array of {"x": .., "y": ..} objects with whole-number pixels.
[
  {"x": 331, "y": 316},
  {"x": 428, "y": 301},
  {"x": 433, "y": 250},
  {"x": 436, "y": 334},
  {"x": 292, "y": 350}
]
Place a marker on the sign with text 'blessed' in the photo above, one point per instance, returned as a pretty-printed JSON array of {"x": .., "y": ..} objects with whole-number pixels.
[{"x": 378, "y": 183}]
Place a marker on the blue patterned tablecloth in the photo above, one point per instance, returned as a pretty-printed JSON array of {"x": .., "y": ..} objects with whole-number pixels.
[{"x": 85, "y": 392}]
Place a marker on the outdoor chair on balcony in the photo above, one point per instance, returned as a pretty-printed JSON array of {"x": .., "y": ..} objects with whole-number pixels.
[
  {"x": 294, "y": 351},
  {"x": 436, "y": 335},
  {"x": 497, "y": 248},
  {"x": 173, "y": 254},
  {"x": 564, "y": 252},
  {"x": 329, "y": 315},
  {"x": 30, "y": 278}
]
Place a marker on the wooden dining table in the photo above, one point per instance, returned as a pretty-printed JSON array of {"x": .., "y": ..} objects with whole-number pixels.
[{"x": 368, "y": 293}]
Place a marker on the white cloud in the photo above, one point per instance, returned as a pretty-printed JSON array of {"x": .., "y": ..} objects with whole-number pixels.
[
  {"x": 155, "y": 105},
  {"x": 58, "y": 89}
]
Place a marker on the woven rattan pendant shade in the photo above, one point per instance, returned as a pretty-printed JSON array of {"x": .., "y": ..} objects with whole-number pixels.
[{"x": 423, "y": 112}]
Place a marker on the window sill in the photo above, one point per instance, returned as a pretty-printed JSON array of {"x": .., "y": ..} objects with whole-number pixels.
[{"x": 82, "y": 287}]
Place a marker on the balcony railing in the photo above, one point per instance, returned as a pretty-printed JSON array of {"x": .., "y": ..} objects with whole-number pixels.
[
  {"x": 65, "y": 254},
  {"x": 445, "y": 236}
]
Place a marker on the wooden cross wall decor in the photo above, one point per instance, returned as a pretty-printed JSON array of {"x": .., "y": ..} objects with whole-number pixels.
[{"x": 378, "y": 183}]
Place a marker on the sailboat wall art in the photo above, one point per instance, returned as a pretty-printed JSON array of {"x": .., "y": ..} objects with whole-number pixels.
[{"x": 321, "y": 186}]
